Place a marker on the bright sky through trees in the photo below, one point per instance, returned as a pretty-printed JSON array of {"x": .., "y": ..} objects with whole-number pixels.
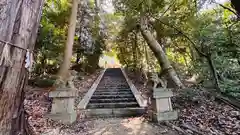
[{"x": 209, "y": 6}]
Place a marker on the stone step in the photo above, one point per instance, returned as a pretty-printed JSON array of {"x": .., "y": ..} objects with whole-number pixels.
[
  {"x": 114, "y": 83},
  {"x": 113, "y": 80},
  {"x": 112, "y": 93},
  {"x": 114, "y": 86},
  {"x": 117, "y": 100},
  {"x": 112, "y": 89},
  {"x": 115, "y": 112},
  {"x": 112, "y": 96},
  {"x": 112, "y": 105},
  {"x": 107, "y": 73}
]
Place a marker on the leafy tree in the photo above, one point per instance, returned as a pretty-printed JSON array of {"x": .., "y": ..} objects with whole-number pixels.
[{"x": 51, "y": 36}]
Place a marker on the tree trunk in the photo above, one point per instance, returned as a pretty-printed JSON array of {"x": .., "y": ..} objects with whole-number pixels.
[
  {"x": 147, "y": 58},
  {"x": 134, "y": 51},
  {"x": 159, "y": 53},
  {"x": 19, "y": 20},
  {"x": 121, "y": 56},
  {"x": 214, "y": 72},
  {"x": 92, "y": 63},
  {"x": 236, "y": 5},
  {"x": 78, "y": 56},
  {"x": 160, "y": 41},
  {"x": 69, "y": 44}
]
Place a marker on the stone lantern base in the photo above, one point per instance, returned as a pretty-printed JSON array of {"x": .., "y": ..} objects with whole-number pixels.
[
  {"x": 162, "y": 106},
  {"x": 63, "y": 105}
]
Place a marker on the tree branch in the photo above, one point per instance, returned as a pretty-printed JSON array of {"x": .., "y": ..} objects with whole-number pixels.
[
  {"x": 184, "y": 35},
  {"x": 229, "y": 9},
  {"x": 168, "y": 8}
]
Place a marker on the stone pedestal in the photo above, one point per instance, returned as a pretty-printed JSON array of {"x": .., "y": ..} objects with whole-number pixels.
[
  {"x": 63, "y": 109},
  {"x": 162, "y": 106}
]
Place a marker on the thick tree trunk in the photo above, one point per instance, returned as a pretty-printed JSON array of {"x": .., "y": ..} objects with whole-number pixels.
[
  {"x": 214, "y": 72},
  {"x": 19, "y": 20},
  {"x": 159, "y": 53},
  {"x": 69, "y": 44},
  {"x": 160, "y": 41}
]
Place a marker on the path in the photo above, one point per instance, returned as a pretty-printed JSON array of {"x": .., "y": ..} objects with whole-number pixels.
[
  {"x": 133, "y": 126},
  {"x": 114, "y": 126}
]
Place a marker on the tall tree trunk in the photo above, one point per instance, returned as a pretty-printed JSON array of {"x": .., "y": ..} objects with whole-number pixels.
[
  {"x": 136, "y": 48},
  {"x": 147, "y": 58},
  {"x": 134, "y": 52},
  {"x": 19, "y": 21},
  {"x": 160, "y": 40},
  {"x": 193, "y": 54},
  {"x": 214, "y": 72},
  {"x": 70, "y": 40},
  {"x": 159, "y": 53}
]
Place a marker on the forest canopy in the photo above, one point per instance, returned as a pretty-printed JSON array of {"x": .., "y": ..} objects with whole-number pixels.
[{"x": 199, "y": 40}]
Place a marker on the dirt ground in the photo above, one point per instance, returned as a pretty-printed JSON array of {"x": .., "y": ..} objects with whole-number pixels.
[
  {"x": 197, "y": 111},
  {"x": 37, "y": 105},
  {"x": 113, "y": 126}
]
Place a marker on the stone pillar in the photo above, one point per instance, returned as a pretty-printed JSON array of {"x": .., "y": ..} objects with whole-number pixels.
[
  {"x": 63, "y": 109},
  {"x": 162, "y": 106}
]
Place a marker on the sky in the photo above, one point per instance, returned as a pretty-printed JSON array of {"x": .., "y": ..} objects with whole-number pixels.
[
  {"x": 209, "y": 6},
  {"x": 108, "y": 6}
]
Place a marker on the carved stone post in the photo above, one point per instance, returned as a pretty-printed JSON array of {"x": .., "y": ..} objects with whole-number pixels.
[
  {"x": 162, "y": 106},
  {"x": 63, "y": 105}
]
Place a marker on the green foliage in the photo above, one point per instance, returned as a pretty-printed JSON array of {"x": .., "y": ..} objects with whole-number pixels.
[
  {"x": 53, "y": 33},
  {"x": 181, "y": 27},
  {"x": 160, "y": 12},
  {"x": 187, "y": 34},
  {"x": 51, "y": 36},
  {"x": 43, "y": 81}
]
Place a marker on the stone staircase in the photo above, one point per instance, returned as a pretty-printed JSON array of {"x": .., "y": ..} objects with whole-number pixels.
[{"x": 112, "y": 96}]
